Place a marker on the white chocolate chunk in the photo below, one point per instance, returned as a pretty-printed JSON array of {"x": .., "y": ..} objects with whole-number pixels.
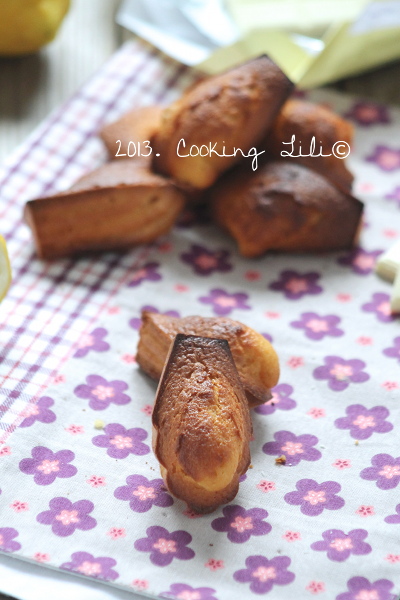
[
  {"x": 388, "y": 264},
  {"x": 395, "y": 297}
]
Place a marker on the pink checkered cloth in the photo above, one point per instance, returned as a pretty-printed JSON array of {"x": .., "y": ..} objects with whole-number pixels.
[
  {"x": 80, "y": 488},
  {"x": 50, "y": 304}
]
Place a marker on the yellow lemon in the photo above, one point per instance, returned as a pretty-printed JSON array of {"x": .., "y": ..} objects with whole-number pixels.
[
  {"x": 5, "y": 269},
  {"x": 26, "y": 25}
]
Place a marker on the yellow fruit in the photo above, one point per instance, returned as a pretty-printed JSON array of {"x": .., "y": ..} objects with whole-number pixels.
[
  {"x": 5, "y": 269},
  {"x": 26, "y": 25}
]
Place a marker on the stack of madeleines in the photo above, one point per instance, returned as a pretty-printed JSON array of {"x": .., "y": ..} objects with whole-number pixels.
[
  {"x": 220, "y": 144},
  {"x": 212, "y": 370}
]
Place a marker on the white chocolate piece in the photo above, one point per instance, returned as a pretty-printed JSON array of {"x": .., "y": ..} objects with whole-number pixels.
[
  {"x": 395, "y": 297},
  {"x": 388, "y": 264}
]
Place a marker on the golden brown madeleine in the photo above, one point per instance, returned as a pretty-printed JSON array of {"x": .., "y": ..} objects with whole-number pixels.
[
  {"x": 135, "y": 127},
  {"x": 231, "y": 110},
  {"x": 255, "y": 358},
  {"x": 201, "y": 423},
  {"x": 118, "y": 205},
  {"x": 287, "y": 207},
  {"x": 306, "y": 120}
]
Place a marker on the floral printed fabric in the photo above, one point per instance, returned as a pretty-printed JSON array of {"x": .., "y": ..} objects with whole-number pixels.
[{"x": 81, "y": 490}]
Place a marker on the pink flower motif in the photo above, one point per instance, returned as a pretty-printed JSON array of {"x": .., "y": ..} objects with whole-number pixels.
[
  {"x": 140, "y": 584},
  {"x": 48, "y": 466},
  {"x": 116, "y": 533},
  {"x": 148, "y": 410},
  {"x": 18, "y": 506},
  {"x": 390, "y": 385},
  {"x": 365, "y": 511},
  {"x": 165, "y": 546},
  {"x": 393, "y": 558},
  {"x": 41, "y": 557},
  {"x": 66, "y": 517},
  {"x": 360, "y": 261},
  {"x": 291, "y": 448},
  {"x": 343, "y": 298},
  {"x": 363, "y": 422},
  {"x": 59, "y": 379},
  {"x": 205, "y": 262},
  {"x": 252, "y": 275},
  {"x": 316, "y": 413},
  {"x": 341, "y": 544},
  {"x": 5, "y": 451},
  {"x": 143, "y": 492},
  {"x": 314, "y": 497},
  {"x": 341, "y": 464},
  {"x": 29, "y": 411},
  {"x": 390, "y": 233},
  {"x": 387, "y": 159},
  {"x": 103, "y": 392},
  {"x": 114, "y": 310},
  {"x": 189, "y": 595},
  {"x": 181, "y": 288},
  {"x": 291, "y": 536},
  {"x": 129, "y": 359},
  {"x": 264, "y": 573},
  {"x": 75, "y": 429},
  {"x": 316, "y": 587},
  {"x": 121, "y": 442},
  {"x": 295, "y": 362},
  {"x": 390, "y": 471},
  {"x": 214, "y": 565},
  {"x": 96, "y": 481},
  {"x": 89, "y": 568},
  {"x": 266, "y": 486},
  {"x": 272, "y": 315},
  {"x": 364, "y": 340},
  {"x": 241, "y": 524},
  {"x": 165, "y": 247},
  {"x": 341, "y": 372}
]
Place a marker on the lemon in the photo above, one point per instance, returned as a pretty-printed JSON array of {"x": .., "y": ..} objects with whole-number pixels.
[
  {"x": 26, "y": 25},
  {"x": 5, "y": 269}
]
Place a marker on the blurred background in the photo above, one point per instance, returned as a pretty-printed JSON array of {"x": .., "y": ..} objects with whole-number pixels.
[{"x": 32, "y": 86}]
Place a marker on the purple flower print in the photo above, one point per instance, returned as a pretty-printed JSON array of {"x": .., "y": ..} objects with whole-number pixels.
[
  {"x": 147, "y": 273},
  {"x": 102, "y": 393},
  {"x": 394, "y": 195},
  {"x": 363, "y": 422},
  {"x": 121, "y": 442},
  {"x": 380, "y": 305},
  {"x": 241, "y": 524},
  {"x": 316, "y": 327},
  {"x": 92, "y": 341},
  {"x": 393, "y": 351},
  {"x": 143, "y": 493},
  {"x": 340, "y": 545},
  {"x": 263, "y": 574},
  {"x": 295, "y": 285},
  {"x": 86, "y": 564},
  {"x": 280, "y": 400},
  {"x": 360, "y": 261},
  {"x": 394, "y": 519},
  {"x": 65, "y": 516},
  {"x": 313, "y": 497},
  {"x": 295, "y": 448},
  {"x": 340, "y": 373},
  {"x": 7, "y": 542},
  {"x": 387, "y": 159},
  {"x": 46, "y": 465},
  {"x": 38, "y": 412},
  {"x": 224, "y": 303},
  {"x": 385, "y": 470},
  {"x": 359, "y": 588},
  {"x": 136, "y": 322},
  {"x": 206, "y": 262},
  {"x": 182, "y": 591},
  {"x": 368, "y": 113},
  {"x": 164, "y": 546}
]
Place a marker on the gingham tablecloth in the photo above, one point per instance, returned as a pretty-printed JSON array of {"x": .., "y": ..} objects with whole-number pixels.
[{"x": 80, "y": 488}]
